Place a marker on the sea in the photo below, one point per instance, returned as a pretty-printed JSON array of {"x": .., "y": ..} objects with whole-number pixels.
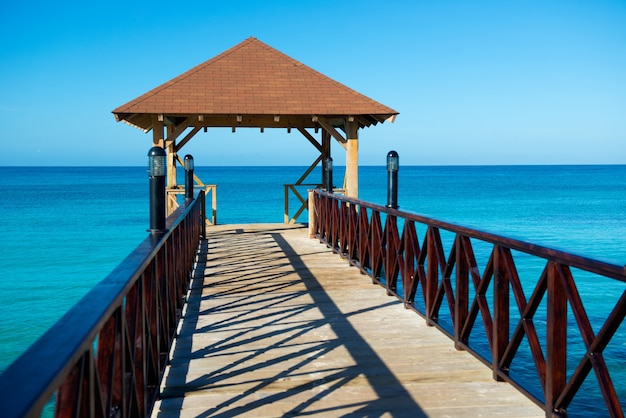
[{"x": 65, "y": 228}]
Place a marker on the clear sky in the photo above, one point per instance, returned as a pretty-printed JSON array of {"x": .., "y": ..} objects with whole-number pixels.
[{"x": 475, "y": 82}]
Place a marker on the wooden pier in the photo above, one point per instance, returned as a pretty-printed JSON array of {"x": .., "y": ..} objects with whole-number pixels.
[{"x": 278, "y": 325}]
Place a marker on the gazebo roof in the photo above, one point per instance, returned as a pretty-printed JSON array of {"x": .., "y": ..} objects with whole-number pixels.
[{"x": 253, "y": 85}]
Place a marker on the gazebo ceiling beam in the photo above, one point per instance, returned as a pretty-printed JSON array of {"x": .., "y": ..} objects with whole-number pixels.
[
  {"x": 332, "y": 131},
  {"x": 310, "y": 169},
  {"x": 179, "y": 128},
  {"x": 254, "y": 121},
  {"x": 366, "y": 120},
  {"x": 334, "y": 124},
  {"x": 188, "y": 137},
  {"x": 259, "y": 121},
  {"x": 311, "y": 139}
]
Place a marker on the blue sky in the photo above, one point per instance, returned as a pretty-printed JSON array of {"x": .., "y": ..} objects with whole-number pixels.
[{"x": 475, "y": 82}]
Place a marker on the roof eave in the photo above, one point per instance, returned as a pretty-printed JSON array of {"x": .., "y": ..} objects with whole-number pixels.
[{"x": 143, "y": 121}]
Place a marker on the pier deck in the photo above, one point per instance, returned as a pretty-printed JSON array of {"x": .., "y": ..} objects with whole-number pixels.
[{"x": 278, "y": 325}]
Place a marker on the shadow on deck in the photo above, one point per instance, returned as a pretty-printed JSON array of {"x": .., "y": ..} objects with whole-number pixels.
[{"x": 278, "y": 325}]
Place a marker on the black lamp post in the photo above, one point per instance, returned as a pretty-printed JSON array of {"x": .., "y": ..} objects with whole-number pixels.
[
  {"x": 157, "y": 170},
  {"x": 188, "y": 177},
  {"x": 328, "y": 166},
  {"x": 393, "y": 165}
]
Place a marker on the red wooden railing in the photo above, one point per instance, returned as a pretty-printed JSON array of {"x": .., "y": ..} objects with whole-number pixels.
[
  {"x": 106, "y": 356},
  {"x": 453, "y": 290}
]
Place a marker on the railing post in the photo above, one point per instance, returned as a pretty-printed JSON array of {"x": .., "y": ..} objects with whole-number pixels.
[
  {"x": 391, "y": 254},
  {"x": 432, "y": 278},
  {"x": 409, "y": 274},
  {"x": 500, "y": 311},
  {"x": 334, "y": 222},
  {"x": 203, "y": 213},
  {"x": 214, "y": 205},
  {"x": 286, "y": 214},
  {"x": 556, "y": 345},
  {"x": 353, "y": 233},
  {"x": 157, "y": 169},
  {"x": 462, "y": 293},
  {"x": 312, "y": 214}
]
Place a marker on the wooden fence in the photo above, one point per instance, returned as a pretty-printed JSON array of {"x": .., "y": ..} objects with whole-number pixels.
[
  {"x": 525, "y": 321},
  {"x": 175, "y": 197},
  {"x": 106, "y": 356}
]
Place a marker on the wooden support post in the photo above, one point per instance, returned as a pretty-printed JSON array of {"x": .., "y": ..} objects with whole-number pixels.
[
  {"x": 320, "y": 158},
  {"x": 352, "y": 159},
  {"x": 171, "y": 159},
  {"x": 157, "y": 132}
]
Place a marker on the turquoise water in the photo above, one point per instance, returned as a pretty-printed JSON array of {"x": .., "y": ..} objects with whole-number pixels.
[{"x": 65, "y": 229}]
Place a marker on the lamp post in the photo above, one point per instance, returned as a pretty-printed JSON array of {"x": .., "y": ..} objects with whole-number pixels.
[
  {"x": 393, "y": 165},
  {"x": 188, "y": 177},
  {"x": 157, "y": 169},
  {"x": 328, "y": 166}
]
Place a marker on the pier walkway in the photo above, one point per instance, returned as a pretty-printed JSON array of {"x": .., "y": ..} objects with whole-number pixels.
[{"x": 278, "y": 325}]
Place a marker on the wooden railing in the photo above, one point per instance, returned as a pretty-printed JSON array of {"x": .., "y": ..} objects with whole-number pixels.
[
  {"x": 304, "y": 202},
  {"x": 106, "y": 356},
  {"x": 454, "y": 294},
  {"x": 175, "y": 198},
  {"x": 297, "y": 190}
]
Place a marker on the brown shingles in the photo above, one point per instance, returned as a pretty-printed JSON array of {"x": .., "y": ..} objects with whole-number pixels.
[{"x": 253, "y": 78}]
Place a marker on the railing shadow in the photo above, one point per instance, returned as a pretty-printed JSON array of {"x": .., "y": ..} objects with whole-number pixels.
[
  {"x": 275, "y": 331},
  {"x": 364, "y": 356},
  {"x": 189, "y": 317}
]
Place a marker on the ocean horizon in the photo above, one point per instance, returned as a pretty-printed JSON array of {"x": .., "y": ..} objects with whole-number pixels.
[{"x": 66, "y": 228}]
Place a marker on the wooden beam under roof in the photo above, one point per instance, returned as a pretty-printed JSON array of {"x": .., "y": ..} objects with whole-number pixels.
[
  {"x": 332, "y": 131},
  {"x": 311, "y": 139}
]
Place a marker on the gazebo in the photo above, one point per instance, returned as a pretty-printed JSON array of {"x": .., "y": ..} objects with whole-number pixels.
[{"x": 253, "y": 85}]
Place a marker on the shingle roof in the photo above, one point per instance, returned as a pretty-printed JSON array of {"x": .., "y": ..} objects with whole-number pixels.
[{"x": 253, "y": 78}]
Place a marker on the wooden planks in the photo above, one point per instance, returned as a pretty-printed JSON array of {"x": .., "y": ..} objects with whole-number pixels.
[{"x": 277, "y": 325}]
